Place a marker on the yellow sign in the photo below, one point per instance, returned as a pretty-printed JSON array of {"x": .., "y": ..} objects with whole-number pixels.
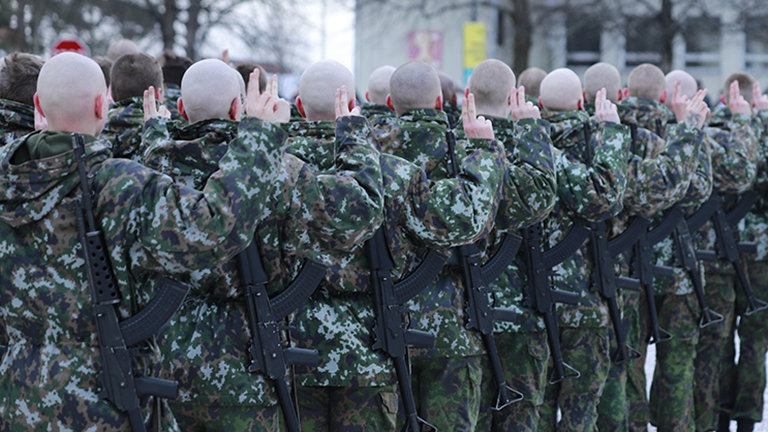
[{"x": 474, "y": 46}]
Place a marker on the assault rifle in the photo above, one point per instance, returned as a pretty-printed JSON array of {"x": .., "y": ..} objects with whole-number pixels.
[
  {"x": 540, "y": 297},
  {"x": 480, "y": 313},
  {"x": 120, "y": 382},
  {"x": 727, "y": 246},
  {"x": 390, "y": 333},
  {"x": 266, "y": 322}
]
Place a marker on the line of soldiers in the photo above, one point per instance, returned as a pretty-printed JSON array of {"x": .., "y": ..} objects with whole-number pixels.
[{"x": 238, "y": 196}]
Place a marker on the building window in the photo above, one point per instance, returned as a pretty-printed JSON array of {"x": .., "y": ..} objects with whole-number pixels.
[
  {"x": 643, "y": 41},
  {"x": 756, "y": 30},
  {"x": 583, "y": 39},
  {"x": 702, "y": 43}
]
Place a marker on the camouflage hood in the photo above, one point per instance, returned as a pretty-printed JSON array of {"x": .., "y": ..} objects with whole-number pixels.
[
  {"x": 16, "y": 117},
  {"x": 370, "y": 110},
  {"x": 321, "y": 135},
  {"x": 566, "y": 128},
  {"x": 421, "y": 137},
  {"x": 720, "y": 117},
  {"x": 647, "y": 113},
  {"x": 38, "y": 171},
  {"x": 125, "y": 114}
]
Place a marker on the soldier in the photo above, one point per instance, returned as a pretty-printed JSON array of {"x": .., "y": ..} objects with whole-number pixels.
[
  {"x": 376, "y": 109},
  {"x": 531, "y": 80},
  {"x": 300, "y": 215},
  {"x": 447, "y": 378},
  {"x": 106, "y": 68},
  {"x": 659, "y": 176},
  {"x": 450, "y": 100},
  {"x": 131, "y": 74},
  {"x": 174, "y": 67},
  {"x": 591, "y": 190},
  {"x": 50, "y": 372},
  {"x": 734, "y": 169},
  {"x": 602, "y": 76},
  {"x": 522, "y": 344},
  {"x": 121, "y": 47},
  {"x": 18, "y": 81}
]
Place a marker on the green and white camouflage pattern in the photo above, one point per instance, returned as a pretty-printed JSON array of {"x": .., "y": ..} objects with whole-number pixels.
[
  {"x": 124, "y": 128},
  {"x": 49, "y": 374},
  {"x": 172, "y": 94},
  {"x": 16, "y": 120}
]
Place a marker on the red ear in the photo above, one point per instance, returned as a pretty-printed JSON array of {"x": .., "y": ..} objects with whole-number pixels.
[
  {"x": 180, "y": 105},
  {"x": 722, "y": 99},
  {"x": 367, "y": 97},
  {"x": 626, "y": 92},
  {"x": 621, "y": 95},
  {"x": 439, "y": 102},
  {"x": 99, "y": 109},
  {"x": 584, "y": 94},
  {"x": 540, "y": 104},
  {"x": 663, "y": 97},
  {"x": 351, "y": 104},
  {"x": 581, "y": 104},
  {"x": 233, "y": 108},
  {"x": 389, "y": 102},
  {"x": 466, "y": 92},
  {"x": 37, "y": 105},
  {"x": 300, "y": 107}
]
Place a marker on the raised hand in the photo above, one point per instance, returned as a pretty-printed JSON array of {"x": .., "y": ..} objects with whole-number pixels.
[
  {"x": 520, "y": 108},
  {"x": 679, "y": 101},
  {"x": 736, "y": 102},
  {"x": 759, "y": 100},
  {"x": 474, "y": 126},
  {"x": 342, "y": 104},
  {"x": 267, "y": 106},
  {"x": 150, "y": 106},
  {"x": 696, "y": 110},
  {"x": 605, "y": 110}
]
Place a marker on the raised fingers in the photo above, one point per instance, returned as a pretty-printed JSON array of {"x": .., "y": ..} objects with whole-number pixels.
[
  {"x": 756, "y": 95},
  {"x": 471, "y": 110},
  {"x": 733, "y": 91}
]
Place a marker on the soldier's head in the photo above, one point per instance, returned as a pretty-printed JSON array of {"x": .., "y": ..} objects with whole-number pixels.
[
  {"x": 378, "y": 85},
  {"x": 210, "y": 89},
  {"x": 245, "y": 69},
  {"x": 647, "y": 81},
  {"x": 746, "y": 81},
  {"x": 71, "y": 94},
  {"x": 531, "y": 79},
  {"x": 133, "y": 73},
  {"x": 317, "y": 89},
  {"x": 491, "y": 83},
  {"x": 688, "y": 86},
  {"x": 18, "y": 77},
  {"x": 121, "y": 47},
  {"x": 602, "y": 75},
  {"x": 561, "y": 91},
  {"x": 173, "y": 66},
  {"x": 448, "y": 88},
  {"x": 106, "y": 67},
  {"x": 414, "y": 85}
]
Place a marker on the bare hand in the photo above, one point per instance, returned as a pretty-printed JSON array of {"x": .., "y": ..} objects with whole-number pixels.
[
  {"x": 696, "y": 110},
  {"x": 520, "y": 108},
  {"x": 759, "y": 100},
  {"x": 736, "y": 102},
  {"x": 679, "y": 101},
  {"x": 342, "y": 104},
  {"x": 474, "y": 126},
  {"x": 150, "y": 106},
  {"x": 605, "y": 110},
  {"x": 267, "y": 106}
]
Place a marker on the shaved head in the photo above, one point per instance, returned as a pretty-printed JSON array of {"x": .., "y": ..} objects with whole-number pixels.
[
  {"x": 746, "y": 81},
  {"x": 208, "y": 90},
  {"x": 448, "y": 88},
  {"x": 70, "y": 88},
  {"x": 646, "y": 81},
  {"x": 123, "y": 46},
  {"x": 378, "y": 84},
  {"x": 317, "y": 88},
  {"x": 531, "y": 79},
  {"x": 414, "y": 85},
  {"x": 561, "y": 90},
  {"x": 688, "y": 88},
  {"x": 491, "y": 82},
  {"x": 601, "y": 75}
]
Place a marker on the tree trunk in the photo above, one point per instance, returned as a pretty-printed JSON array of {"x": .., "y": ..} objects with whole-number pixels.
[
  {"x": 668, "y": 31},
  {"x": 166, "y": 24},
  {"x": 521, "y": 18},
  {"x": 193, "y": 27},
  {"x": 20, "y": 38}
]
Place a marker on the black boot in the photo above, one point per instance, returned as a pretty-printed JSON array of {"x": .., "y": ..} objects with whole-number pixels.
[
  {"x": 724, "y": 422},
  {"x": 745, "y": 425}
]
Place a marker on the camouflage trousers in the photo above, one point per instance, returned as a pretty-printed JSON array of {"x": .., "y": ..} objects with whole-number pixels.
[
  {"x": 348, "y": 409},
  {"x": 524, "y": 358},
  {"x": 585, "y": 349},
  {"x": 713, "y": 340},
  {"x": 743, "y": 384},
  {"x": 194, "y": 417},
  {"x": 447, "y": 391}
]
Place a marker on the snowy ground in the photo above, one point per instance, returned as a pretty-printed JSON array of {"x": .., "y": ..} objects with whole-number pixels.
[{"x": 650, "y": 363}]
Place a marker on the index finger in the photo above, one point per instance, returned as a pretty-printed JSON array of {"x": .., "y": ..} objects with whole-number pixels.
[
  {"x": 734, "y": 91},
  {"x": 253, "y": 82},
  {"x": 676, "y": 91},
  {"x": 521, "y": 95},
  {"x": 756, "y": 92},
  {"x": 471, "y": 110},
  {"x": 272, "y": 85}
]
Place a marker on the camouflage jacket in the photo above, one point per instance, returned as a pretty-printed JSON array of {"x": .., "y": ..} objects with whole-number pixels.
[
  {"x": 373, "y": 111},
  {"x": 453, "y": 112},
  {"x": 420, "y": 137},
  {"x": 172, "y": 95},
  {"x": 587, "y": 191},
  {"x": 151, "y": 225},
  {"x": 124, "y": 128},
  {"x": 337, "y": 209},
  {"x": 16, "y": 120},
  {"x": 419, "y": 213},
  {"x": 524, "y": 135},
  {"x": 755, "y": 226}
]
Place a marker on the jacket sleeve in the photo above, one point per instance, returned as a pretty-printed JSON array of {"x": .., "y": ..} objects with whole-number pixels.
[
  {"x": 530, "y": 182},
  {"x": 595, "y": 191},
  {"x": 656, "y": 184},
  {"x": 178, "y": 229},
  {"x": 700, "y": 187},
  {"x": 734, "y": 155}
]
